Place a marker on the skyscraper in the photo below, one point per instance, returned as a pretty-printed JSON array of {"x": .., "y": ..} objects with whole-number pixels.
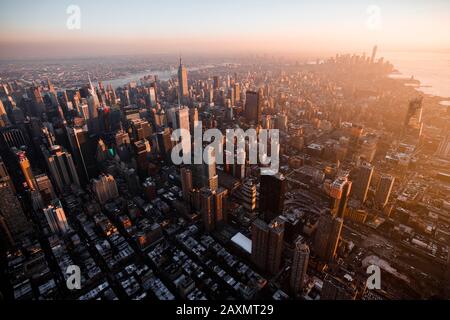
[
  {"x": 210, "y": 178},
  {"x": 56, "y": 218},
  {"x": 340, "y": 192},
  {"x": 413, "y": 124},
  {"x": 4, "y": 121},
  {"x": 361, "y": 186},
  {"x": 272, "y": 192},
  {"x": 105, "y": 188},
  {"x": 384, "y": 190},
  {"x": 25, "y": 166},
  {"x": 62, "y": 168},
  {"x": 275, "y": 245},
  {"x": 186, "y": 182},
  {"x": 182, "y": 81},
  {"x": 267, "y": 244},
  {"x": 260, "y": 238},
  {"x": 327, "y": 236},
  {"x": 336, "y": 289},
  {"x": 299, "y": 265},
  {"x": 253, "y": 106},
  {"x": 12, "y": 213},
  {"x": 83, "y": 147},
  {"x": 93, "y": 105}
]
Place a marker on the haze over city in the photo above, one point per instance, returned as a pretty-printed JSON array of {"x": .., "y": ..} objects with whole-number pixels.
[
  {"x": 252, "y": 155},
  {"x": 37, "y": 29}
]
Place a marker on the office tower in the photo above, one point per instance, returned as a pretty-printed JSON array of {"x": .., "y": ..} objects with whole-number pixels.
[
  {"x": 253, "y": 106},
  {"x": 105, "y": 188},
  {"x": 327, "y": 236},
  {"x": 83, "y": 147},
  {"x": 182, "y": 81},
  {"x": 299, "y": 265},
  {"x": 12, "y": 213},
  {"x": 220, "y": 206},
  {"x": 361, "y": 186},
  {"x": 164, "y": 142},
  {"x": 4, "y": 121},
  {"x": 210, "y": 178},
  {"x": 247, "y": 196},
  {"x": 56, "y": 218},
  {"x": 186, "y": 182},
  {"x": 102, "y": 153},
  {"x": 62, "y": 168},
  {"x": 275, "y": 245},
  {"x": 182, "y": 118},
  {"x": 193, "y": 118},
  {"x": 237, "y": 92},
  {"x": 374, "y": 54},
  {"x": 141, "y": 129},
  {"x": 25, "y": 166},
  {"x": 122, "y": 138},
  {"x": 45, "y": 187},
  {"x": 413, "y": 124},
  {"x": 34, "y": 93},
  {"x": 340, "y": 192},
  {"x": 152, "y": 96},
  {"x": 216, "y": 82},
  {"x": 207, "y": 208},
  {"x": 337, "y": 289},
  {"x": 267, "y": 244},
  {"x": 12, "y": 137},
  {"x": 272, "y": 192},
  {"x": 260, "y": 237},
  {"x": 142, "y": 149},
  {"x": 384, "y": 190}
]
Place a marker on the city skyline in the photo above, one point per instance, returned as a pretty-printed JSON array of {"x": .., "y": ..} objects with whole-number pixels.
[{"x": 39, "y": 29}]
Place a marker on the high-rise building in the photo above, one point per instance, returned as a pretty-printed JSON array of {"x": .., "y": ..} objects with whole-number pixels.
[
  {"x": 253, "y": 106},
  {"x": 275, "y": 245},
  {"x": 61, "y": 167},
  {"x": 327, "y": 236},
  {"x": 182, "y": 81},
  {"x": 216, "y": 82},
  {"x": 340, "y": 192},
  {"x": 4, "y": 120},
  {"x": 186, "y": 183},
  {"x": 105, "y": 188},
  {"x": 384, "y": 190},
  {"x": 299, "y": 265},
  {"x": 12, "y": 213},
  {"x": 207, "y": 208},
  {"x": 260, "y": 238},
  {"x": 56, "y": 218},
  {"x": 267, "y": 244},
  {"x": 45, "y": 188},
  {"x": 361, "y": 186},
  {"x": 25, "y": 166},
  {"x": 337, "y": 289},
  {"x": 210, "y": 178},
  {"x": 272, "y": 192},
  {"x": 93, "y": 105},
  {"x": 413, "y": 124},
  {"x": 83, "y": 147},
  {"x": 374, "y": 54}
]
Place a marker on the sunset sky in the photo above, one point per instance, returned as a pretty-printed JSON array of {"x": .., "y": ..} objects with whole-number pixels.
[{"x": 38, "y": 28}]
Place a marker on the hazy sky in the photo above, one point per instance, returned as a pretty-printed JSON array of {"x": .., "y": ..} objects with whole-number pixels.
[{"x": 37, "y": 28}]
